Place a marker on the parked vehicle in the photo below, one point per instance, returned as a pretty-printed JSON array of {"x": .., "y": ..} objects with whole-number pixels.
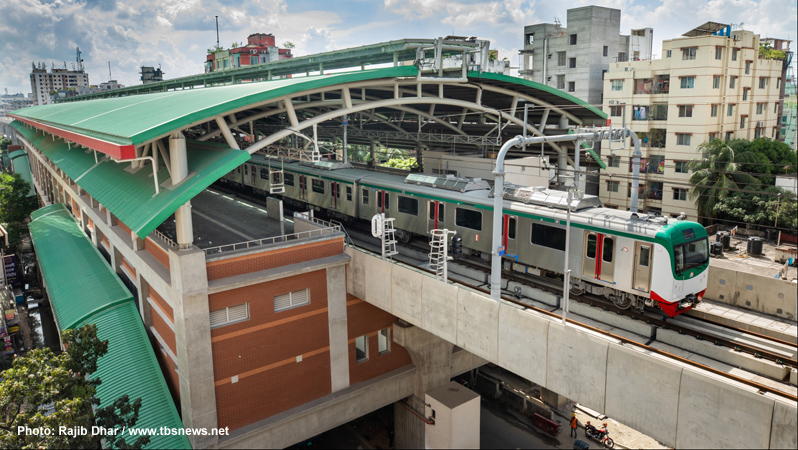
[{"x": 600, "y": 434}]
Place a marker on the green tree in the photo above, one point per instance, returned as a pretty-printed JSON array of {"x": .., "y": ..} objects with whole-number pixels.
[
  {"x": 4, "y": 143},
  {"x": 716, "y": 175},
  {"x": 15, "y": 206},
  {"x": 759, "y": 207},
  {"x": 288, "y": 44},
  {"x": 49, "y": 390},
  {"x": 766, "y": 51},
  {"x": 769, "y": 158}
]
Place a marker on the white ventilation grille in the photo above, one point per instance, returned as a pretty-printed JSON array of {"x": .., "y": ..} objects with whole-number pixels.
[
  {"x": 229, "y": 315},
  {"x": 291, "y": 300}
]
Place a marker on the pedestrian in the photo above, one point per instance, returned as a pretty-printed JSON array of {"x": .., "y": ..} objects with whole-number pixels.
[{"x": 574, "y": 424}]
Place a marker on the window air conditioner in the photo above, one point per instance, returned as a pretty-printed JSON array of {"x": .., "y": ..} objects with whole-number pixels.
[{"x": 628, "y": 69}]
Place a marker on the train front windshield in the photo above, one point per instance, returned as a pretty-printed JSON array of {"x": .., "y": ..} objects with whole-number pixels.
[{"x": 691, "y": 254}]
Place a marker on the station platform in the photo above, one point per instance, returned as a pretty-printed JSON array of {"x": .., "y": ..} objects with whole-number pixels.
[
  {"x": 765, "y": 324},
  {"x": 221, "y": 219}
]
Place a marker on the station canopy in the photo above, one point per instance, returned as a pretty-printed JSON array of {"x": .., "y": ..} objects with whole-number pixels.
[{"x": 461, "y": 111}]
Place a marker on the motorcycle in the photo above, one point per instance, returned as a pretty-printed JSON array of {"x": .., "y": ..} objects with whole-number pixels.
[{"x": 602, "y": 435}]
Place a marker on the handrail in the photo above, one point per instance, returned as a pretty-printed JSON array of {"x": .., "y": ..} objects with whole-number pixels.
[
  {"x": 166, "y": 240},
  {"x": 272, "y": 240},
  {"x": 348, "y": 240}
]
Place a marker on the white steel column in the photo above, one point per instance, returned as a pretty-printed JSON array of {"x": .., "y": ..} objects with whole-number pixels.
[{"x": 179, "y": 162}]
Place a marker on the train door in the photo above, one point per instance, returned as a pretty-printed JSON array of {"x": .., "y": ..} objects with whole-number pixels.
[
  {"x": 509, "y": 224},
  {"x": 435, "y": 215},
  {"x": 336, "y": 193},
  {"x": 303, "y": 187},
  {"x": 642, "y": 275},
  {"x": 254, "y": 176},
  {"x": 383, "y": 201},
  {"x": 599, "y": 257}
]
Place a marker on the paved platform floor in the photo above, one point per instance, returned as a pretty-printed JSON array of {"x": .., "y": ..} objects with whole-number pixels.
[
  {"x": 223, "y": 219},
  {"x": 776, "y": 327}
]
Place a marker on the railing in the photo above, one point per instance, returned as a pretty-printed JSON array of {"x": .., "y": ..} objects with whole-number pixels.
[
  {"x": 326, "y": 231},
  {"x": 169, "y": 242}
]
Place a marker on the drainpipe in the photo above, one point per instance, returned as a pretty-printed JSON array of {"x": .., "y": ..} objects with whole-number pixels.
[
  {"x": 346, "y": 125},
  {"x": 635, "y": 169},
  {"x": 545, "y": 59}
]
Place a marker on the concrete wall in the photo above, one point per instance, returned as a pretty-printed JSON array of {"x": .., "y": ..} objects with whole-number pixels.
[
  {"x": 751, "y": 291},
  {"x": 676, "y": 403}
]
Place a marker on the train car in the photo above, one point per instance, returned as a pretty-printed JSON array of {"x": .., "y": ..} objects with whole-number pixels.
[{"x": 633, "y": 260}]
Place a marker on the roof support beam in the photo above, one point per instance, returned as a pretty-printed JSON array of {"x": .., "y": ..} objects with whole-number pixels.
[{"x": 228, "y": 135}]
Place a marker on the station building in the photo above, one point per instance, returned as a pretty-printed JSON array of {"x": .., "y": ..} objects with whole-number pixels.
[{"x": 248, "y": 313}]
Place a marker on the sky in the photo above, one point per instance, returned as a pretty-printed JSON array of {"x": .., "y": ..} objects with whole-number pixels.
[{"x": 176, "y": 34}]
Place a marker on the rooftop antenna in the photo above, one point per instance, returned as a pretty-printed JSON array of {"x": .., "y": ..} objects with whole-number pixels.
[
  {"x": 558, "y": 25},
  {"x": 78, "y": 59},
  {"x": 109, "y": 71},
  {"x": 217, "y": 31}
]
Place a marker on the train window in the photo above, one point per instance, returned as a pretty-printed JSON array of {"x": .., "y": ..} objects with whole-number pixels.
[
  {"x": 607, "y": 249},
  {"x": 550, "y": 237},
  {"x": 591, "y": 246},
  {"x": 288, "y": 179},
  {"x": 380, "y": 196},
  {"x": 246, "y": 169},
  {"x": 264, "y": 173},
  {"x": 645, "y": 254},
  {"x": 349, "y": 193},
  {"x": 317, "y": 186},
  {"x": 468, "y": 218},
  {"x": 365, "y": 196},
  {"x": 432, "y": 211},
  {"x": 407, "y": 205},
  {"x": 511, "y": 228}
]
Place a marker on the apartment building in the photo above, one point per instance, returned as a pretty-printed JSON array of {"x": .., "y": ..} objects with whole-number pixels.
[
  {"x": 260, "y": 49},
  {"x": 43, "y": 82},
  {"x": 707, "y": 86},
  {"x": 575, "y": 58}
]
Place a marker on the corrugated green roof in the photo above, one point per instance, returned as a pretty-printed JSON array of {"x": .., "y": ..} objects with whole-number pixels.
[
  {"x": 17, "y": 154},
  {"x": 130, "y": 367},
  {"x": 71, "y": 265},
  {"x": 22, "y": 167},
  {"x": 131, "y": 196},
  {"x": 83, "y": 289},
  {"x": 140, "y": 118}
]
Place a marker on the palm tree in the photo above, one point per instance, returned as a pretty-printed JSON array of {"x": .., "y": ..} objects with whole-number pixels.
[{"x": 717, "y": 174}]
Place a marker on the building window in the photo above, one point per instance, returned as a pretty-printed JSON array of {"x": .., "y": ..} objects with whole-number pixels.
[
  {"x": 616, "y": 111},
  {"x": 362, "y": 348},
  {"x": 560, "y": 58},
  {"x": 716, "y": 81},
  {"x": 384, "y": 341},
  {"x": 571, "y": 86},
  {"x": 682, "y": 139},
  {"x": 685, "y": 110},
  {"x": 729, "y": 135},
  {"x": 757, "y": 133},
  {"x": 763, "y": 82},
  {"x": 547, "y": 236},
  {"x": 778, "y": 83},
  {"x": 229, "y": 315},
  {"x": 731, "y": 110},
  {"x": 615, "y": 161},
  {"x": 572, "y": 63},
  {"x": 688, "y": 82},
  {"x": 407, "y": 205},
  {"x": 682, "y": 166},
  {"x": 745, "y": 94},
  {"x": 689, "y": 53},
  {"x": 530, "y": 38},
  {"x": 622, "y": 57},
  {"x": 714, "y": 111},
  {"x": 572, "y": 40},
  {"x": 718, "y": 52},
  {"x": 732, "y": 82},
  {"x": 291, "y": 300},
  {"x": 668, "y": 53},
  {"x": 742, "y": 121},
  {"x": 606, "y": 51},
  {"x": 612, "y": 186},
  {"x": 734, "y": 54},
  {"x": 468, "y": 218},
  {"x": 617, "y": 85},
  {"x": 365, "y": 193},
  {"x": 560, "y": 81},
  {"x": 679, "y": 194},
  {"x": 713, "y": 136},
  {"x": 760, "y": 107}
]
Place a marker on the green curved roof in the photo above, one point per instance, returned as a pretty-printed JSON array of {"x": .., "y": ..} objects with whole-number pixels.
[
  {"x": 134, "y": 120},
  {"x": 84, "y": 289}
]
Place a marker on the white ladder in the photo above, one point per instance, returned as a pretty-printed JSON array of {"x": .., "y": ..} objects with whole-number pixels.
[
  {"x": 388, "y": 238},
  {"x": 276, "y": 179},
  {"x": 439, "y": 253}
]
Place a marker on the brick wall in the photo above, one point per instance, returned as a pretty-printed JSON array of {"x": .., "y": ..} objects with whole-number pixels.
[
  {"x": 163, "y": 329},
  {"x": 123, "y": 227},
  {"x": 276, "y": 258},
  {"x": 156, "y": 251},
  {"x": 169, "y": 373},
  {"x": 262, "y": 351},
  {"x": 363, "y": 318},
  {"x": 162, "y": 304}
]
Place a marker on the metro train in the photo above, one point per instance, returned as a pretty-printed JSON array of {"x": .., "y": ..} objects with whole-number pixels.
[{"x": 633, "y": 260}]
